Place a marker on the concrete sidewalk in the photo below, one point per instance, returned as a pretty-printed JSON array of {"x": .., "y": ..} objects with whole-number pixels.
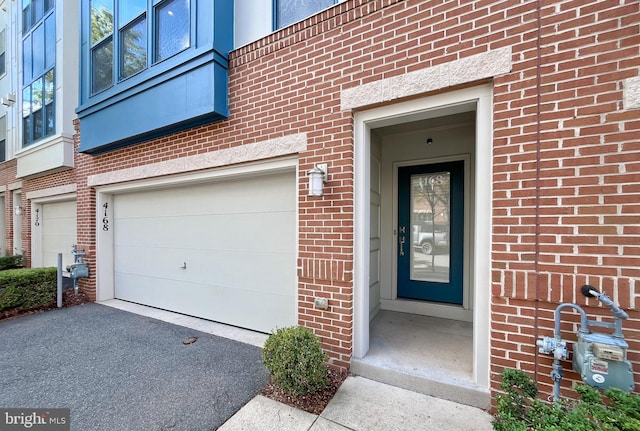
[{"x": 361, "y": 404}]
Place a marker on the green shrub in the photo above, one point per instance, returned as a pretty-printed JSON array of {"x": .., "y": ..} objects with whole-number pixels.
[
  {"x": 10, "y": 262},
  {"x": 27, "y": 288},
  {"x": 518, "y": 409},
  {"x": 295, "y": 360}
]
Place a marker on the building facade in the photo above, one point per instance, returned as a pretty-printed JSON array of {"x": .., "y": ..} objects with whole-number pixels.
[{"x": 481, "y": 164}]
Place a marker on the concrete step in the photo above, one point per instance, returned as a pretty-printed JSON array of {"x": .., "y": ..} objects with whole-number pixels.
[{"x": 440, "y": 385}]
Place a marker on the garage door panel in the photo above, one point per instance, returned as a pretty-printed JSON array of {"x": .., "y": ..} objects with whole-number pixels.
[
  {"x": 266, "y": 231},
  {"x": 238, "y": 241},
  {"x": 222, "y": 198},
  {"x": 58, "y": 232},
  {"x": 248, "y": 309},
  {"x": 253, "y": 271}
]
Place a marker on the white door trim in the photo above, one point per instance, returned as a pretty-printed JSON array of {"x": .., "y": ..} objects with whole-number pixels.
[{"x": 480, "y": 97}]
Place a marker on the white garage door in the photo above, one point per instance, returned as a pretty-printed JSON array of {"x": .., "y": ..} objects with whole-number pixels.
[
  {"x": 58, "y": 232},
  {"x": 223, "y": 251}
]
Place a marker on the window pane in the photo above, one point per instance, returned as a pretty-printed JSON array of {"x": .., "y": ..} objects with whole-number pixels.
[
  {"x": 3, "y": 127},
  {"x": 48, "y": 4},
  {"x": 129, "y": 9},
  {"x": 48, "y": 104},
  {"x": 50, "y": 40},
  {"x": 37, "y": 124},
  {"x": 3, "y": 150},
  {"x": 3, "y": 67},
  {"x": 49, "y": 120},
  {"x": 26, "y": 116},
  {"x": 36, "y": 108},
  {"x": 133, "y": 48},
  {"x": 172, "y": 34},
  {"x": 36, "y": 11},
  {"x": 36, "y": 95},
  {"x": 26, "y": 101},
  {"x": 26, "y": 60},
  {"x": 26, "y": 16},
  {"x": 48, "y": 87},
  {"x": 26, "y": 131},
  {"x": 102, "y": 66},
  {"x": 38, "y": 50},
  {"x": 290, "y": 11},
  {"x": 101, "y": 19}
]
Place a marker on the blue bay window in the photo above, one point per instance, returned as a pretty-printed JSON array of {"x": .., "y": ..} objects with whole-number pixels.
[
  {"x": 38, "y": 70},
  {"x": 151, "y": 67}
]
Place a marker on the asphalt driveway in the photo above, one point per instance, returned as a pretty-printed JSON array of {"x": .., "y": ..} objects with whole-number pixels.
[{"x": 118, "y": 370}]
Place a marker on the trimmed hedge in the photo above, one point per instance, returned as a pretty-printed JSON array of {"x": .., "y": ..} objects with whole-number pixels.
[
  {"x": 27, "y": 288},
  {"x": 10, "y": 262}
]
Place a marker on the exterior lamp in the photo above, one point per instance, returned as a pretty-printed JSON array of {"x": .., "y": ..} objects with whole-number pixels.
[
  {"x": 317, "y": 177},
  {"x": 18, "y": 210}
]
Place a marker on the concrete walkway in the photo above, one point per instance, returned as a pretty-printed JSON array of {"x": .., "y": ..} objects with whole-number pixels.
[{"x": 363, "y": 404}]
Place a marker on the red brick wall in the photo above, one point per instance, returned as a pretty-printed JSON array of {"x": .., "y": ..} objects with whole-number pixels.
[
  {"x": 566, "y": 179},
  {"x": 565, "y": 206}
]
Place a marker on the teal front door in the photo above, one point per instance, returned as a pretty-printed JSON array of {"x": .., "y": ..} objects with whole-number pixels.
[{"x": 431, "y": 232}]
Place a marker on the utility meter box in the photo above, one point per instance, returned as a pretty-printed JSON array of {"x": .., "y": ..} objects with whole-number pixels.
[
  {"x": 601, "y": 360},
  {"x": 78, "y": 270}
]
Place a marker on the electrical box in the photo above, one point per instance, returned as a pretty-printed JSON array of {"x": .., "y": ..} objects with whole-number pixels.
[
  {"x": 601, "y": 360},
  {"x": 78, "y": 270}
]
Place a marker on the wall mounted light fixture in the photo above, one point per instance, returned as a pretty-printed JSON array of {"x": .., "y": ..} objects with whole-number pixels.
[
  {"x": 317, "y": 177},
  {"x": 18, "y": 210}
]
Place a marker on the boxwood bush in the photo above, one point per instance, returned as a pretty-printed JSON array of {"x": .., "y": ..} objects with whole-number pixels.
[
  {"x": 518, "y": 409},
  {"x": 295, "y": 360},
  {"x": 27, "y": 288}
]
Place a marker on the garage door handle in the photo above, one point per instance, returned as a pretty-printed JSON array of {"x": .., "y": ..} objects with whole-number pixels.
[{"x": 184, "y": 266}]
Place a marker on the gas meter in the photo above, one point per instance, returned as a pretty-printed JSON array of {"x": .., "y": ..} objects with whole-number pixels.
[
  {"x": 602, "y": 361},
  {"x": 599, "y": 358}
]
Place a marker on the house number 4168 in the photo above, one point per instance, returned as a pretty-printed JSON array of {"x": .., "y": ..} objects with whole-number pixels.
[{"x": 105, "y": 219}]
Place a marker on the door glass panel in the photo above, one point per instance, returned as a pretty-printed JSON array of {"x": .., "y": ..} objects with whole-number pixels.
[{"x": 430, "y": 224}]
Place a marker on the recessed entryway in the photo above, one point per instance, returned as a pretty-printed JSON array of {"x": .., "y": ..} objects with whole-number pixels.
[{"x": 423, "y": 243}]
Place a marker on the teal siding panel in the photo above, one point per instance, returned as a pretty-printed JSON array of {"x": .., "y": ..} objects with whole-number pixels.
[{"x": 189, "y": 99}]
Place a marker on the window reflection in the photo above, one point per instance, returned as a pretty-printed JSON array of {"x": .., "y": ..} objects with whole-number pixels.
[
  {"x": 172, "y": 32},
  {"x": 430, "y": 221}
]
